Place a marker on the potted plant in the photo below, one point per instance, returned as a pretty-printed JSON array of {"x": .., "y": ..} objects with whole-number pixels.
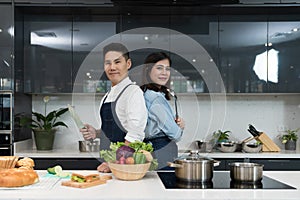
[
  {"x": 290, "y": 139},
  {"x": 44, "y": 126},
  {"x": 221, "y": 136}
]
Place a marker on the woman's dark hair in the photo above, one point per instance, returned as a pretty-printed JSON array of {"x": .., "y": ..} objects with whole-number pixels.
[
  {"x": 116, "y": 47},
  {"x": 149, "y": 62}
]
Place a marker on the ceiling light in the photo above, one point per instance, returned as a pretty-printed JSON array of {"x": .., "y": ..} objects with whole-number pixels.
[
  {"x": 0, "y": 30},
  {"x": 268, "y": 44},
  {"x": 146, "y": 38},
  {"x": 194, "y": 60},
  {"x": 10, "y": 31},
  {"x": 295, "y": 29}
]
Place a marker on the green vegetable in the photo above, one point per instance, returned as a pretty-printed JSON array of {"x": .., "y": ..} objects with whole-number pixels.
[
  {"x": 137, "y": 146},
  {"x": 77, "y": 179},
  {"x": 51, "y": 170},
  {"x": 107, "y": 155},
  {"x": 154, "y": 165},
  {"x": 139, "y": 158}
]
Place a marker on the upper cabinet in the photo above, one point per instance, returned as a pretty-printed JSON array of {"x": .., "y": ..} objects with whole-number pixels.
[
  {"x": 57, "y": 49},
  {"x": 6, "y": 46},
  {"x": 213, "y": 49}
]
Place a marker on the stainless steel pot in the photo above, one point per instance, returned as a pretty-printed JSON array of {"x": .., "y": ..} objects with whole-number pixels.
[
  {"x": 246, "y": 172},
  {"x": 194, "y": 168},
  {"x": 89, "y": 146}
]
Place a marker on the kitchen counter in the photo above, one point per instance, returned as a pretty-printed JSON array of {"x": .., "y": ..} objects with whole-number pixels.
[
  {"x": 64, "y": 153},
  {"x": 150, "y": 187},
  {"x": 24, "y": 149}
]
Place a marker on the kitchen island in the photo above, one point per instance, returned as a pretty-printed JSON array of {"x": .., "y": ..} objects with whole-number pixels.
[{"x": 150, "y": 187}]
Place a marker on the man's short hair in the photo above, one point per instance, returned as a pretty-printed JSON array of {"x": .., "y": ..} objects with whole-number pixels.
[{"x": 116, "y": 47}]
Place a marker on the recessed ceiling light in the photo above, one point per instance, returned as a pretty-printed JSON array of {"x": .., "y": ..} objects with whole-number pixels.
[
  {"x": 268, "y": 44},
  {"x": 0, "y": 30},
  {"x": 295, "y": 29},
  {"x": 146, "y": 38},
  {"x": 194, "y": 60}
]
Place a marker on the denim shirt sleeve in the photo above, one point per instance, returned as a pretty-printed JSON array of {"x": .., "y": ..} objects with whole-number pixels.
[{"x": 161, "y": 118}]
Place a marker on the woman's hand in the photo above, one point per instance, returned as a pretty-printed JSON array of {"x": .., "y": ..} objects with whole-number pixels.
[
  {"x": 89, "y": 132},
  {"x": 180, "y": 123},
  {"x": 103, "y": 168}
]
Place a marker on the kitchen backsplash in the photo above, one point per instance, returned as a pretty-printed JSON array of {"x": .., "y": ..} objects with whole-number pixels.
[{"x": 203, "y": 114}]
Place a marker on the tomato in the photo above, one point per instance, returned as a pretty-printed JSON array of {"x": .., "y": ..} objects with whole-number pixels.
[
  {"x": 129, "y": 160},
  {"x": 122, "y": 160}
]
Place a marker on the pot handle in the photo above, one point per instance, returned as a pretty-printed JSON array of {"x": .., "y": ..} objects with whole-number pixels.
[
  {"x": 170, "y": 164},
  {"x": 216, "y": 163}
]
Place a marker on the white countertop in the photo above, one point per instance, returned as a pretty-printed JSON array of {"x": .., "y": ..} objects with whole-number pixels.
[
  {"x": 24, "y": 149},
  {"x": 150, "y": 187}
]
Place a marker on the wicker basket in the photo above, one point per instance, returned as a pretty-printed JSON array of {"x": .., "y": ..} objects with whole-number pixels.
[{"x": 129, "y": 172}]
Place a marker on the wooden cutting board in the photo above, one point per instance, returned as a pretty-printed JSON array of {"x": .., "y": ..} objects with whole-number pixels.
[{"x": 82, "y": 185}]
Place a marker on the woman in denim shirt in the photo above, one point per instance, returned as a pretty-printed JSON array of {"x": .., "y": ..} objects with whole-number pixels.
[{"x": 163, "y": 129}]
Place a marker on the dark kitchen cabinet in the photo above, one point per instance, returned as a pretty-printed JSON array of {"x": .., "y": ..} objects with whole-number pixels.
[
  {"x": 47, "y": 54},
  {"x": 67, "y": 163},
  {"x": 61, "y": 54},
  {"x": 6, "y": 46},
  {"x": 237, "y": 49}
]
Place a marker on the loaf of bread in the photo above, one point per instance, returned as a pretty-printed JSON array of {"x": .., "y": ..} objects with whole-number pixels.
[{"x": 17, "y": 177}]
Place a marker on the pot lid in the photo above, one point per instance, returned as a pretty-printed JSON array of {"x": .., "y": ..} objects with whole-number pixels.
[{"x": 194, "y": 156}]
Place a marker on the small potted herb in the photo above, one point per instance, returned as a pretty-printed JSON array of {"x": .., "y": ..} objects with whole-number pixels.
[
  {"x": 290, "y": 139},
  {"x": 221, "y": 136}
]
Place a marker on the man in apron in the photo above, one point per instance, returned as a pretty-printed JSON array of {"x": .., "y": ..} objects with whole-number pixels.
[{"x": 123, "y": 112}]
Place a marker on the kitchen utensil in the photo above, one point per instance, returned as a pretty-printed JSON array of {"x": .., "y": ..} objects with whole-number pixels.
[
  {"x": 201, "y": 145},
  {"x": 253, "y": 130},
  {"x": 89, "y": 146},
  {"x": 194, "y": 168},
  {"x": 252, "y": 147},
  {"x": 227, "y": 147},
  {"x": 246, "y": 172},
  {"x": 75, "y": 117},
  {"x": 247, "y": 140},
  {"x": 240, "y": 144},
  {"x": 172, "y": 93}
]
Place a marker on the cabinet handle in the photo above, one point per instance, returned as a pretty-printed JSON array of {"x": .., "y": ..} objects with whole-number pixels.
[{"x": 279, "y": 161}]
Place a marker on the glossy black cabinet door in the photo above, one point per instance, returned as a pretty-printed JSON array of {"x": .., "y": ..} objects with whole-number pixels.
[
  {"x": 242, "y": 43},
  {"x": 6, "y": 47},
  {"x": 284, "y": 68},
  {"x": 47, "y": 54},
  {"x": 89, "y": 35}
]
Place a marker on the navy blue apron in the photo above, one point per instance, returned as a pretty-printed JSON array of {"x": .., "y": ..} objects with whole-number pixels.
[
  {"x": 165, "y": 150},
  {"x": 111, "y": 128}
]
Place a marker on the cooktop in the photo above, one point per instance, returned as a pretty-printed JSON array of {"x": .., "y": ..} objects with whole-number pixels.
[{"x": 221, "y": 180}]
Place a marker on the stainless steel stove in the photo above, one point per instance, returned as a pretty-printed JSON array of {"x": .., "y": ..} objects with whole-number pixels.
[{"x": 221, "y": 180}]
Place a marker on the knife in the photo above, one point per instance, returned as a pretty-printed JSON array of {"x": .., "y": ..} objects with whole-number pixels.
[
  {"x": 75, "y": 117},
  {"x": 253, "y": 129}
]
